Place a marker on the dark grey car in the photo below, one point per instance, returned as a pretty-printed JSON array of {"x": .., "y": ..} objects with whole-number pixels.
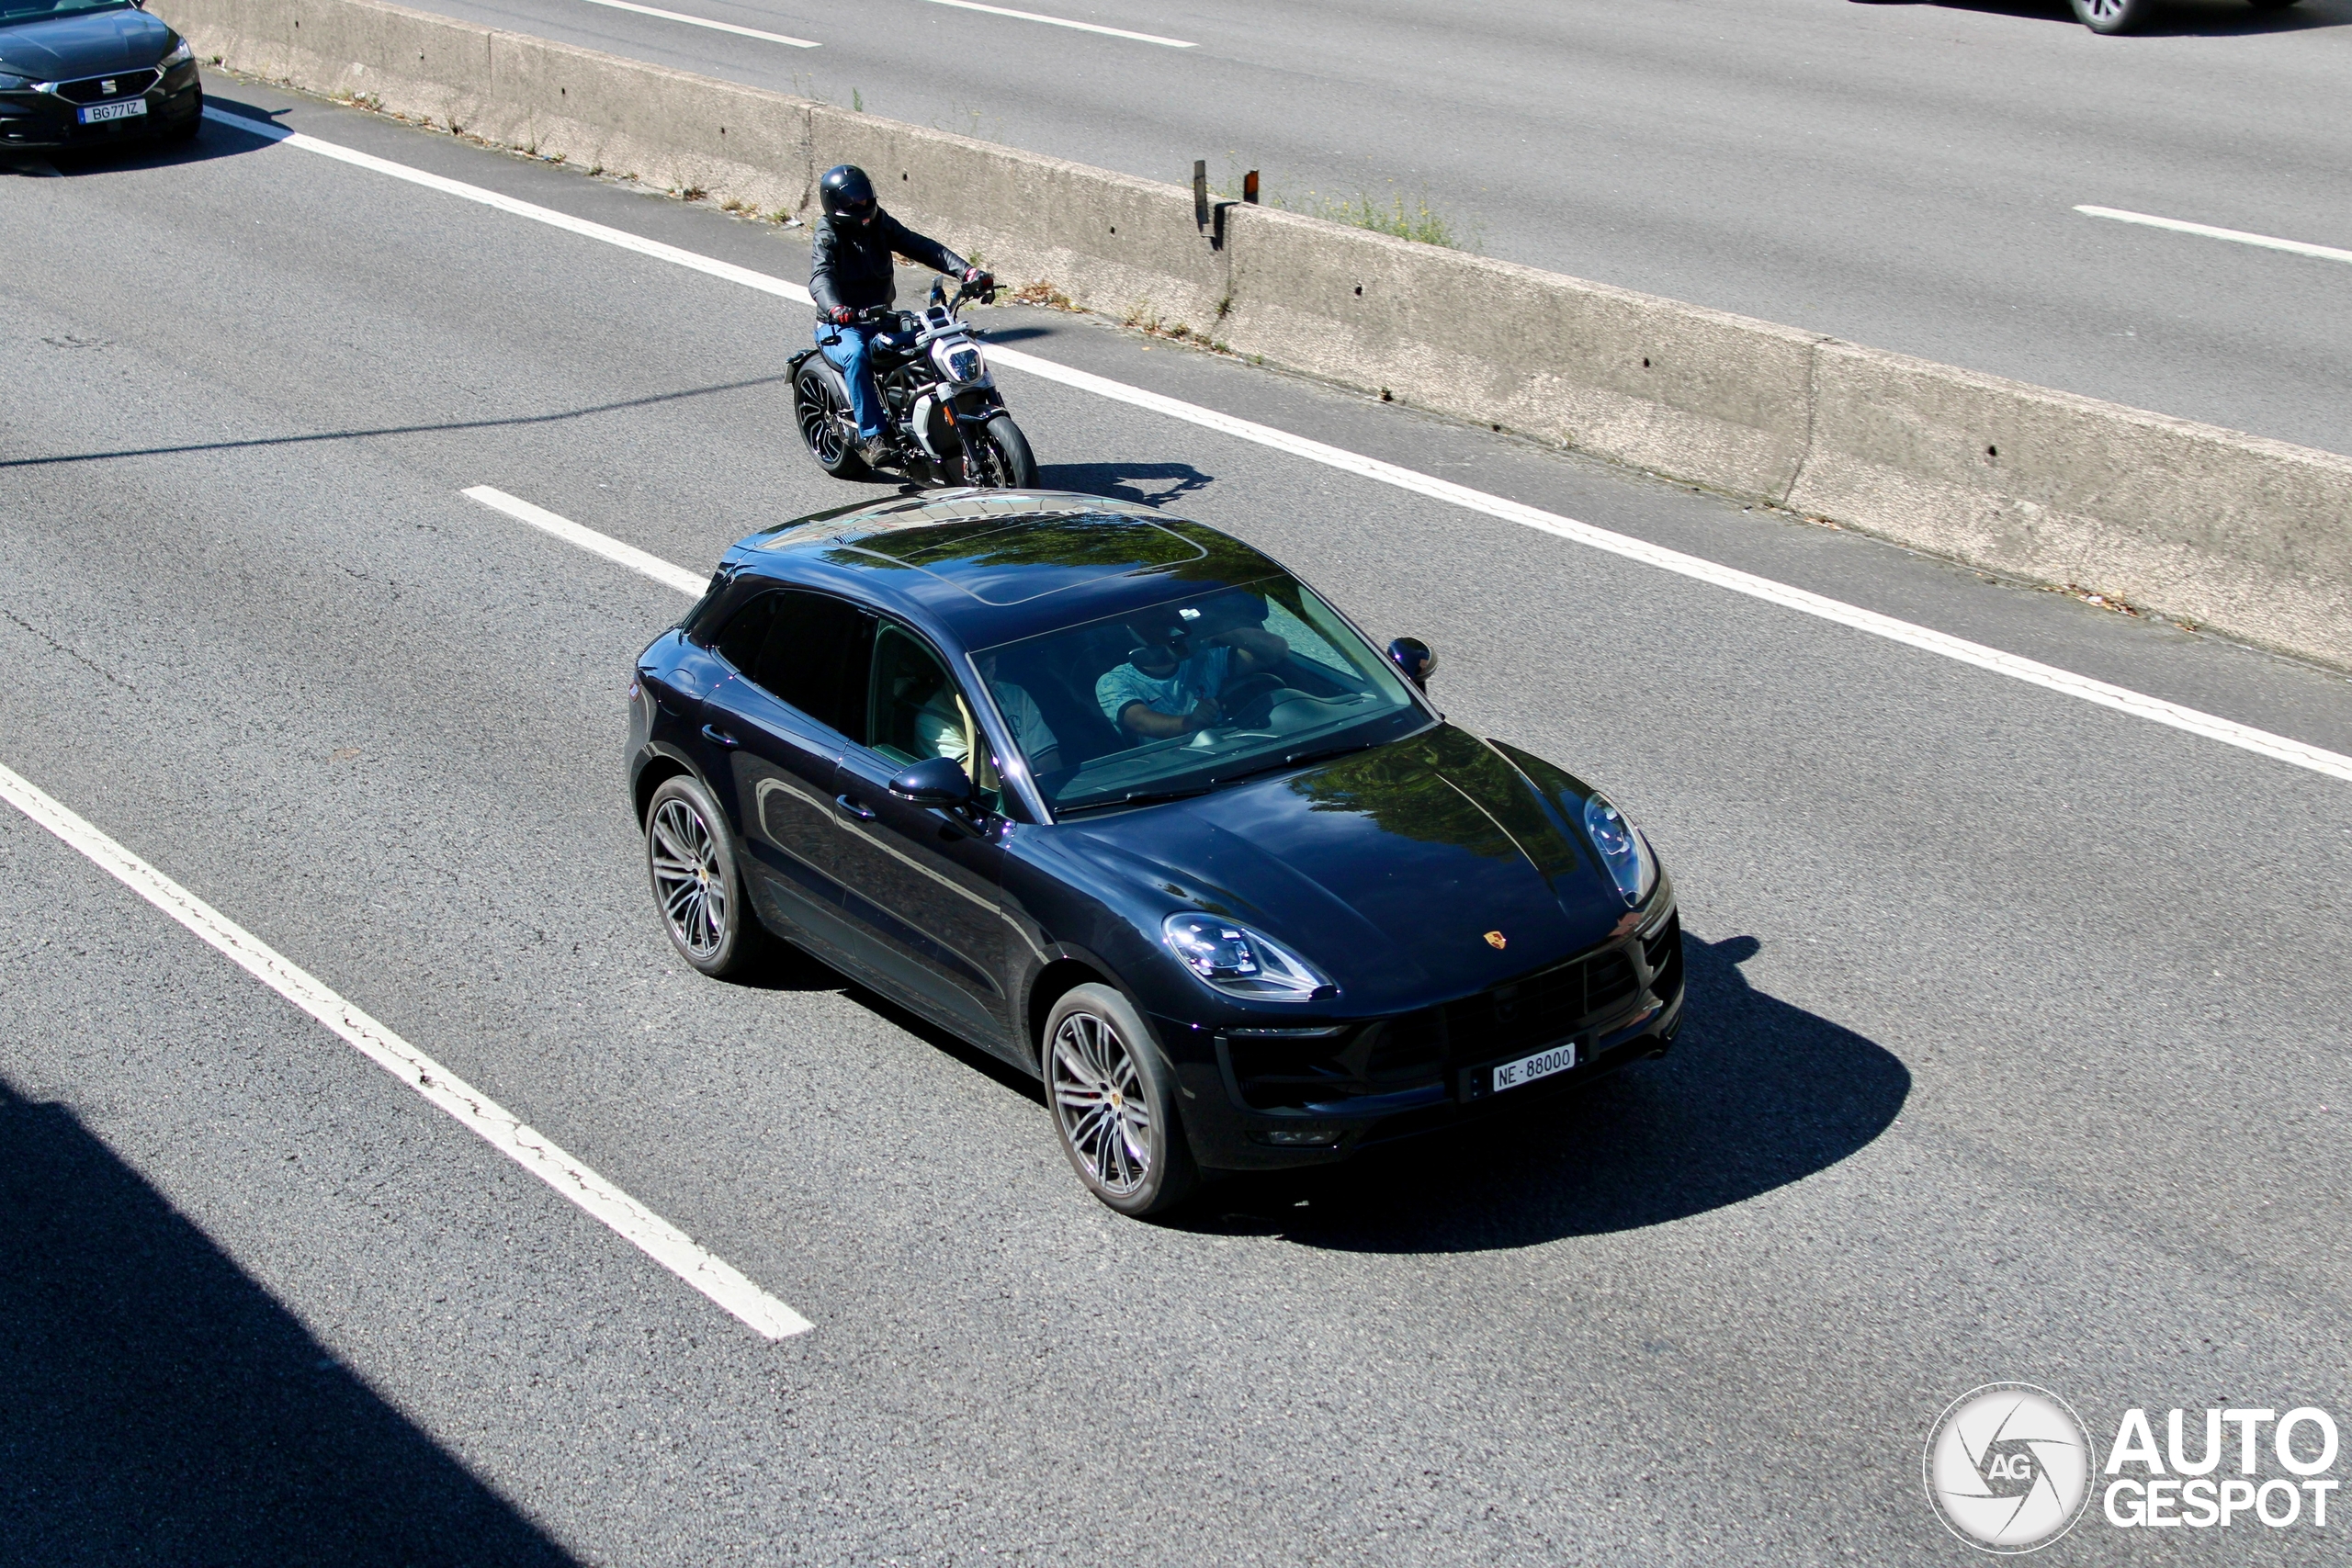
[{"x": 88, "y": 72}]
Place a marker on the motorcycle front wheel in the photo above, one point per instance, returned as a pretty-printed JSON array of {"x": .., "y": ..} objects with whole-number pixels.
[
  {"x": 818, "y": 409},
  {"x": 996, "y": 456}
]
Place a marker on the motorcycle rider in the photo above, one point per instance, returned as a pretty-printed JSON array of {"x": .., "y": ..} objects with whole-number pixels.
[{"x": 850, "y": 271}]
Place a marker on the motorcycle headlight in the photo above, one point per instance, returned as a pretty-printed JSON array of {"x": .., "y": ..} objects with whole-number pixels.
[
  {"x": 182, "y": 52},
  {"x": 1624, "y": 849},
  {"x": 959, "y": 362},
  {"x": 1236, "y": 960}
]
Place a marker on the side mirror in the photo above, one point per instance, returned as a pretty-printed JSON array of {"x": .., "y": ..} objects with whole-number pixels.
[
  {"x": 1413, "y": 660},
  {"x": 939, "y": 782}
]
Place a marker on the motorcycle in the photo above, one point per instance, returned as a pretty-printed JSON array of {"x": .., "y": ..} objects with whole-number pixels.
[{"x": 942, "y": 411}]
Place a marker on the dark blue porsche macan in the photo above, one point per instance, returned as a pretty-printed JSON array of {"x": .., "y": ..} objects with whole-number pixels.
[{"x": 1115, "y": 797}]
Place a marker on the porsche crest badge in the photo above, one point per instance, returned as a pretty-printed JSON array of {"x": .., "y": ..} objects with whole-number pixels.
[{"x": 1495, "y": 939}]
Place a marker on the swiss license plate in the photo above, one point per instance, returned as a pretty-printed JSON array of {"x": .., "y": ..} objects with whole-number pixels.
[
  {"x": 1542, "y": 1065},
  {"x": 99, "y": 114}
]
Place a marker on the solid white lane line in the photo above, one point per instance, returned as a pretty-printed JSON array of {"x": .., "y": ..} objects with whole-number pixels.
[
  {"x": 2122, "y": 699},
  {"x": 642, "y": 1228},
  {"x": 2279, "y": 748},
  {"x": 604, "y": 545},
  {"x": 705, "y": 22},
  {"x": 464, "y": 192},
  {"x": 2294, "y": 247},
  {"x": 1065, "y": 22}
]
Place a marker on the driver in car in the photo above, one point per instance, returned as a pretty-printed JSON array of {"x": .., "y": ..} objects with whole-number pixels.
[
  {"x": 849, "y": 271},
  {"x": 1171, "y": 683}
]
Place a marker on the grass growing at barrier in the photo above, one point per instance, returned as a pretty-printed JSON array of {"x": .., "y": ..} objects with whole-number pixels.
[{"x": 1407, "y": 218}]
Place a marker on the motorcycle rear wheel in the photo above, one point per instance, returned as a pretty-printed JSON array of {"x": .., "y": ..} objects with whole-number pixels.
[
  {"x": 996, "y": 456},
  {"x": 817, "y": 409}
]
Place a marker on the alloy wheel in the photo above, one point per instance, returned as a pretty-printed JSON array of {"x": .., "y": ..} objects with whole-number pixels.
[
  {"x": 688, "y": 878},
  {"x": 821, "y": 422},
  {"x": 1104, "y": 1108},
  {"x": 984, "y": 463}
]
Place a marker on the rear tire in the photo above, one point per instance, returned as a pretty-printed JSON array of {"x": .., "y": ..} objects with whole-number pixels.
[
  {"x": 698, "y": 881},
  {"x": 2111, "y": 16},
  {"x": 1111, "y": 1098},
  {"x": 821, "y": 414},
  {"x": 996, "y": 456}
]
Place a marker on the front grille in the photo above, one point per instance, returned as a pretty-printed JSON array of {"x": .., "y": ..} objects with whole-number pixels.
[
  {"x": 1284, "y": 1070},
  {"x": 94, "y": 89},
  {"x": 1538, "y": 1008},
  {"x": 1662, "y": 951}
]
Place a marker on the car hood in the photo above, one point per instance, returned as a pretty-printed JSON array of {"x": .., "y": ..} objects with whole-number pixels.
[
  {"x": 1387, "y": 870},
  {"x": 62, "y": 48}
]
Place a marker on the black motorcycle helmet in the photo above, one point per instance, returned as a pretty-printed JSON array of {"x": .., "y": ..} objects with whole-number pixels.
[{"x": 847, "y": 194}]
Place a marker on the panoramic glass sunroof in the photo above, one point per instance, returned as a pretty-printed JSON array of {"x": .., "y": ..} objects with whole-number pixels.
[{"x": 1008, "y": 561}]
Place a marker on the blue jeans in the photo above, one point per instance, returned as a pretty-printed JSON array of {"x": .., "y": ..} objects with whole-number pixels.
[{"x": 846, "y": 350}]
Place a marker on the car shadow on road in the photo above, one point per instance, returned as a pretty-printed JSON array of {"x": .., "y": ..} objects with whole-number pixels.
[
  {"x": 161, "y": 1406},
  {"x": 1153, "y": 484},
  {"x": 213, "y": 141},
  {"x": 789, "y": 968},
  {"x": 1756, "y": 1094},
  {"x": 2179, "y": 18}
]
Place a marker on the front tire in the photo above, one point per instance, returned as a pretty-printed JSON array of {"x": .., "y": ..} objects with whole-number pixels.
[
  {"x": 822, "y": 415},
  {"x": 697, "y": 881},
  {"x": 1110, "y": 1094},
  {"x": 186, "y": 130},
  {"x": 996, "y": 456},
  {"x": 2111, "y": 16}
]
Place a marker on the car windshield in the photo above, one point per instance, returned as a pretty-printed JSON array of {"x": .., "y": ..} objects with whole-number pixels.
[
  {"x": 39, "y": 10},
  {"x": 1193, "y": 694}
]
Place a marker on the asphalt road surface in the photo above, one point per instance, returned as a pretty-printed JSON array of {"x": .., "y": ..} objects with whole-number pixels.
[
  {"x": 2015, "y": 1051},
  {"x": 1902, "y": 174}
]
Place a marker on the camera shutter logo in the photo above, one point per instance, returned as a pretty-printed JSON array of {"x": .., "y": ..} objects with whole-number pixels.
[{"x": 2008, "y": 1467}]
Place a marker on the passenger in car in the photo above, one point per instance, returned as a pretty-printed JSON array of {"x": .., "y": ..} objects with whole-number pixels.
[{"x": 945, "y": 727}]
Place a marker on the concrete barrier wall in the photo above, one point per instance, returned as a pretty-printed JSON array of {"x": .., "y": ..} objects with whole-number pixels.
[
  {"x": 1697, "y": 394},
  {"x": 2249, "y": 536}
]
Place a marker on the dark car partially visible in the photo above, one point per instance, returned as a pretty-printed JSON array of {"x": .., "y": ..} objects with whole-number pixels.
[{"x": 89, "y": 73}]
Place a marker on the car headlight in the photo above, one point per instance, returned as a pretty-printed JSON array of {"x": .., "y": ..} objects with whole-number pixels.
[
  {"x": 1624, "y": 849},
  {"x": 182, "y": 52},
  {"x": 1236, "y": 960}
]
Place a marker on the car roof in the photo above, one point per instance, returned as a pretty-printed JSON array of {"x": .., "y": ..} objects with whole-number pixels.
[{"x": 991, "y": 567}]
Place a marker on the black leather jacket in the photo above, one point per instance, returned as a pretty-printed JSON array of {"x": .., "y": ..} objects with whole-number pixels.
[{"x": 850, "y": 262}]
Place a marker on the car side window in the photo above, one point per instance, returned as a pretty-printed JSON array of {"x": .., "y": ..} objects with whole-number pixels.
[
  {"x": 816, "y": 659},
  {"x": 738, "y": 642},
  {"x": 918, "y": 713},
  {"x": 808, "y": 649}
]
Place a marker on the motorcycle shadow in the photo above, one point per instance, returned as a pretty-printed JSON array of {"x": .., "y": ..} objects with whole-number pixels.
[{"x": 1152, "y": 484}]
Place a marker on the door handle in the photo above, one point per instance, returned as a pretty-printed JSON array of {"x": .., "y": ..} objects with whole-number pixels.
[
  {"x": 719, "y": 738},
  {"x": 848, "y": 807}
]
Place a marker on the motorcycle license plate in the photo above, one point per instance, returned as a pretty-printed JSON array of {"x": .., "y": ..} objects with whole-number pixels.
[{"x": 99, "y": 114}]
